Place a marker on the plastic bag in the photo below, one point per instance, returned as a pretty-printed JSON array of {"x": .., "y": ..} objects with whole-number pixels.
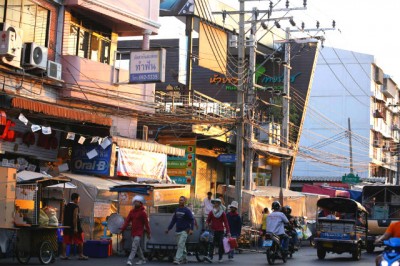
[
  {"x": 307, "y": 233},
  {"x": 52, "y": 214},
  {"x": 227, "y": 247},
  {"x": 206, "y": 236},
  {"x": 43, "y": 218},
  {"x": 233, "y": 243}
]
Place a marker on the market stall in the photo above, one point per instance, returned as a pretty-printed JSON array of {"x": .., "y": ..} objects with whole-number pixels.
[
  {"x": 160, "y": 200},
  {"x": 28, "y": 222}
]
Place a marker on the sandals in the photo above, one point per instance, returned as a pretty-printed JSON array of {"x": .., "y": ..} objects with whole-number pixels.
[{"x": 83, "y": 257}]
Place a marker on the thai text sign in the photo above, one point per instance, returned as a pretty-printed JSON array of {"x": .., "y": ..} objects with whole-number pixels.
[
  {"x": 143, "y": 164},
  {"x": 147, "y": 66}
]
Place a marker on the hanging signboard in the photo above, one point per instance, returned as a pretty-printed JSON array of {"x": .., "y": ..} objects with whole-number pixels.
[
  {"x": 99, "y": 164},
  {"x": 141, "y": 164},
  {"x": 147, "y": 66}
]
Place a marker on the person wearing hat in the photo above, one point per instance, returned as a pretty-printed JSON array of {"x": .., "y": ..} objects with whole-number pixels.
[
  {"x": 218, "y": 223},
  {"x": 140, "y": 223},
  {"x": 207, "y": 205},
  {"x": 235, "y": 224}
]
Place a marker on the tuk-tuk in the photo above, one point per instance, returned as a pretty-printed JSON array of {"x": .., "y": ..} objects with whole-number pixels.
[{"x": 341, "y": 227}]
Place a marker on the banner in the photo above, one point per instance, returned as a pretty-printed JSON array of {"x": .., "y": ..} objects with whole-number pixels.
[{"x": 141, "y": 164}]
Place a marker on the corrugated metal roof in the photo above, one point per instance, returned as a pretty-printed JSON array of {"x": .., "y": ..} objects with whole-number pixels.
[{"x": 336, "y": 179}]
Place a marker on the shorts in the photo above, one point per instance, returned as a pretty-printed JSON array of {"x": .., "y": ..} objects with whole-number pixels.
[{"x": 76, "y": 239}]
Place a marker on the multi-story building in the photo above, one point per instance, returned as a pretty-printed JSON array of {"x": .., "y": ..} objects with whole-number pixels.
[{"x": 352, "y": 121}]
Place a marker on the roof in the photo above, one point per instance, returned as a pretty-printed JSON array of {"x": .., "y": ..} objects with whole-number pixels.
[
  {"x": 340, "y": 205},
  {"x": 99, "y": 183},
  {"x": 147, "y": 146},
  {"x": 336, "y": 179},
  {"x": 28, "y": 177},
  {"x": 272, "y": 191}
]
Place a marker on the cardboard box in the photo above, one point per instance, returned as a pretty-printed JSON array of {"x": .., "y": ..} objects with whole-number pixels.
[
  {"x": 7, "y": 183},
  {"x": 7, "y": 209}
]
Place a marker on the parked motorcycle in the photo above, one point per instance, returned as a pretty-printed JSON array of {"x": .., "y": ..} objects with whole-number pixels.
[
  {"x": 274, "y": 251},
  {"x": 391, "y": 254}
]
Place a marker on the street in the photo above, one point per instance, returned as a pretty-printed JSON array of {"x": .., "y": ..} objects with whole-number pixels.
[{"x": 306, "y": 256}]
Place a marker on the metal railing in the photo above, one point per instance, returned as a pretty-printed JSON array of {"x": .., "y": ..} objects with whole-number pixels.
[{"x": 197, "y": 104}]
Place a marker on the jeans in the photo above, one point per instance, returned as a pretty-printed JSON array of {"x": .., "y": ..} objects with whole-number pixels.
[
  {"x": 136, "y": 248},
  {"x": 181, "y": 238},
  {"x": 284, "y": 241},
  {"x": 218, "y": 236}
]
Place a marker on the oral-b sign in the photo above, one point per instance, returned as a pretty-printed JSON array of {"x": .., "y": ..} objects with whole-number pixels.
[
  {"x": 99, "y": 165},
  {"x": 147, "y": 66}
]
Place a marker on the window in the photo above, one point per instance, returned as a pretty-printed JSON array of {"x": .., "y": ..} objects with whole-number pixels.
[
  {"x": 28, "y": 16},
  {"x": 88, "y": 39}
]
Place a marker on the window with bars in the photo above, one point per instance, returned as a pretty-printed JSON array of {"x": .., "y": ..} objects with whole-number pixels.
[{"x": 88, "y": 39}]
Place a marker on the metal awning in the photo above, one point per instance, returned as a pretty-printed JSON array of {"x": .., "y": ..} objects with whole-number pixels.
[{"x": 136, "y": 144}]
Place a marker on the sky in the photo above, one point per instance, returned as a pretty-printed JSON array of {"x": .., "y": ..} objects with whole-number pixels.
[{"x": 364, "y": 26}]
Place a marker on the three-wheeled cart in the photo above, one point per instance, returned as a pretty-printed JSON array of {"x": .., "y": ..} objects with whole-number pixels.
[
  {"x": 30, "y": 239},
  {"x": 159, "y": 198}
]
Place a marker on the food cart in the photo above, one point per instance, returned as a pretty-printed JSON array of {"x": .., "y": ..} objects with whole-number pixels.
[
  {"x": 160, "y": 198},
  {"x": 30, "y": 237}
]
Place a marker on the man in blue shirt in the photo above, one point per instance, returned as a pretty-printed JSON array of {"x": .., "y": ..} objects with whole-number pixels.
[{"x": 184, "y": 220}]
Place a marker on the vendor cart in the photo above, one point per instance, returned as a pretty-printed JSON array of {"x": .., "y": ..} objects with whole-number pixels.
[
  {"x": 30, "y": 237},
  {"x": 159, "y": 199}
]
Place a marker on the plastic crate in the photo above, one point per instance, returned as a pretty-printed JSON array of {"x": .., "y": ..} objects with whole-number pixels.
[{"x": 96, "y": 248}]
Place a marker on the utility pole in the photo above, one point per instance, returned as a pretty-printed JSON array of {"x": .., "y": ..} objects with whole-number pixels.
[
  {"x": 249, "y": 153},
  {"x": 240, "y": 103},
  {"x": 350, "y": 147},
  {"x": 283, "y": 173}
]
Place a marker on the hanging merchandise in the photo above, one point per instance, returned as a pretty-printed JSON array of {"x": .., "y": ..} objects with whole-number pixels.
[
  {"x": 36, "y": 128},
  {"x": 70, "y": 135},
  {"x": 46, "y": 130},
  {"x": 81, "y": 140},
  {"x": 23, "y": 119},
  {"x": 94, "y": 139},
  {"x": 28, "y": 138}
]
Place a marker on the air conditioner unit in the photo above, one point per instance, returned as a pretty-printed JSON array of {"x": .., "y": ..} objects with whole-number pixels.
[
  {"x": 54, "y": 70},
  {"x": 34, "y": 56},
  {"x": 11, "y": 46}
]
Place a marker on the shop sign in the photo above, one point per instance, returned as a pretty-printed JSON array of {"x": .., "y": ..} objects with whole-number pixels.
[
  {"x": 99, "y": 165},
  {"x": 227, "y": 158},
  {"x": 141, "y": 164},
  {"x": 147, "y": 66},
  {"x": 351, "y": 178}
]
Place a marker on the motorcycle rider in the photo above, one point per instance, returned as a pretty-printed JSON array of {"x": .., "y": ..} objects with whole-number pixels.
[
  {"x": 291, "y": 226},
  {"x": 276, "y": 221},
  {"x": 392, "y": 231}
]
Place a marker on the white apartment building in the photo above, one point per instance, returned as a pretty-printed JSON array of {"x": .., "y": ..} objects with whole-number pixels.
[{"x": 349, "y": 90}]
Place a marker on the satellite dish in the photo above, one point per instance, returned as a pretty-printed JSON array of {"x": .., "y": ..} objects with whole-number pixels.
[
  {"x": 115, "y": 222},
  {"x": 37, "y": 55}
]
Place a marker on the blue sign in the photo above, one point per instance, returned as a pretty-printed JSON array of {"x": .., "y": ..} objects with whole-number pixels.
[
  {"x": 227, "y": 158},
  {"x": 99, "y": 165}
]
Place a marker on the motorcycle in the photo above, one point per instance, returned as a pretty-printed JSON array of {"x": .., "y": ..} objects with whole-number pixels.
[
  {"x": 391, "y": 254},
  {"x": 274, "y": 251}
]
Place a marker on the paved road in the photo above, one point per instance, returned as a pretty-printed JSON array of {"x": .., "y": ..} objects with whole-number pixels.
[{"x": 305, "y": 257}]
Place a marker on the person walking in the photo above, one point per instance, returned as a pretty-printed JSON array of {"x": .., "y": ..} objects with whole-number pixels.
[
  {"x": 140, "y": 224},
  {"x": 235, "y": 224},
  {"x": 207, "y": 204},
  {"x": 184, "y": 221},
  {"x": 218, "y": 224},
  {"x": 73, "y": 235}
]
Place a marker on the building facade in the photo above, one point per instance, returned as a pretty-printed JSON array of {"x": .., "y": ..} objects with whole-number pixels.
[{"x": 352, "y": 120}]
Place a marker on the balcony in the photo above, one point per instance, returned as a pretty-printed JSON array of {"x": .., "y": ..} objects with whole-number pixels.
[
  {"x": 378, "y": 114},
  {"x": 198, "y": 105},
  {"x": 389, "y": 88},
  {"x": 91, "y": 81}
]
